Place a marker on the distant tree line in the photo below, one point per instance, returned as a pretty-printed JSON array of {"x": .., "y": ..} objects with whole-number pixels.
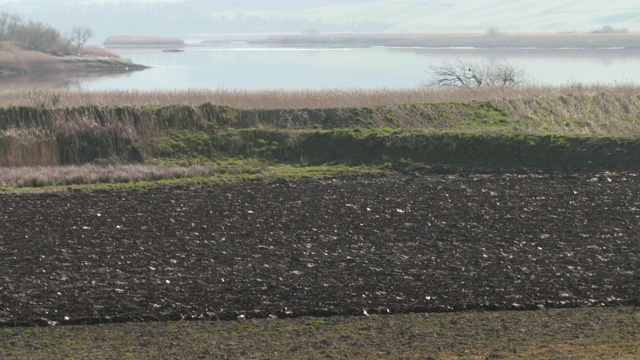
[
  {"x": 37, "y": 36},
  {"x": 608, "y": 29}
]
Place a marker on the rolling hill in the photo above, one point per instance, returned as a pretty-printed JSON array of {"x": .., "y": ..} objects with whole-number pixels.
[{"x": 175, "y": 17}]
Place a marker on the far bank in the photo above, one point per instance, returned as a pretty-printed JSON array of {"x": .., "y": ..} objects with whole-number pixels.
[{"x": 15, "y": 62}]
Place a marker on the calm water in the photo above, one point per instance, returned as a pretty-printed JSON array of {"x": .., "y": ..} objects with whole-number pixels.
[{"x": 241, "y": 66}]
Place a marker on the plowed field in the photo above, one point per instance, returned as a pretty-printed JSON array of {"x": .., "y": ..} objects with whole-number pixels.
[{"x": 368, "y": 243}]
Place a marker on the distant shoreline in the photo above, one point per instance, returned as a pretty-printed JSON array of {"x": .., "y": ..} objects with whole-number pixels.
[
  {"x": 143, "y": 41},
  {"x": 461, "y": 40},
  {"x": 470, "y": 40},
  {"x": 15, "y": 63}
]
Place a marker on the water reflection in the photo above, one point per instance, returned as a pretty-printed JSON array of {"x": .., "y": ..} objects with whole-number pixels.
[
  {"x": 551, "y": 66},
  {"x": 59, "y": 81},
  {"x": 243, "y": 66}
]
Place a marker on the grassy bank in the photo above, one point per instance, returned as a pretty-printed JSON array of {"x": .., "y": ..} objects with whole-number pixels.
[
  {"x": 157, "y": 174},
  {"x": 593, "y": 128},
  {"x": 401, "y": 148},
  {"x": 587, "y": 333}
]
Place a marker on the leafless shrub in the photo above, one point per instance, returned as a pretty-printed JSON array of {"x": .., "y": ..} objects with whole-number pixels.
[
  {"x": 37, "y": 36},
  {"x": 8, "y": 25},
  {"x": 467, "y": 74}
]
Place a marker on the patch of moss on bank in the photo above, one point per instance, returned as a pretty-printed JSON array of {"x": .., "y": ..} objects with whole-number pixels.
[{"x": 402, "y": 148}]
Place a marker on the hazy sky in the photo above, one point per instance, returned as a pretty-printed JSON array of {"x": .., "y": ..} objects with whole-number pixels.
[
  {"x": 88, "y": 1},
  {"x": 176, "y": 17}
]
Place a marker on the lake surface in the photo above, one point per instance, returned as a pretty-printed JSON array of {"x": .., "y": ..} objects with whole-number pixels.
[{"x": 244, "y": 66}]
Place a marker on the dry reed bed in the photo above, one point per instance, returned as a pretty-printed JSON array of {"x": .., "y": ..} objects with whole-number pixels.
[
  {"x": 300, "y": 99},
  {"x": 36, "y": 176},
  {"x": 586, "y": 111},
  {"x": 17, "y": 61}
]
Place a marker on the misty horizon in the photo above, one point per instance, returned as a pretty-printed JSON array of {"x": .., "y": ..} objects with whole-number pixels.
[{"x": 182, "y": 18}]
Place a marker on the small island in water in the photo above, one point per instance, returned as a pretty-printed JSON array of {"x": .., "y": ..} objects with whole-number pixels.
[
  {"x": 166, "y": 44},
  {"x": 143, "y": 40}
]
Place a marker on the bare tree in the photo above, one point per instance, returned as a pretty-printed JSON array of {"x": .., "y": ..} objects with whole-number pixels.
[
  {"x": 37, "y": 36},
  {"x": 79, "y": 36},
  {"x": 504, "y": 75},
  {"x": 8, "y": 25},
  {"x": 467, "y": 74}
]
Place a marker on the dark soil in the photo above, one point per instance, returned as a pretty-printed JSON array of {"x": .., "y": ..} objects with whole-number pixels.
[{"x": 401, "y": 243}]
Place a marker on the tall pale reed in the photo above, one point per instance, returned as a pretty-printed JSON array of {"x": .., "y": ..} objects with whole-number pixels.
[{"x": 296, "y": 99}]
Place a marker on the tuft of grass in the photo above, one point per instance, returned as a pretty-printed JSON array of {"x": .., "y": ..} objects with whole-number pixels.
[
  {"x": 39, "y": 176},
  {"x": 126, "y": 177}
]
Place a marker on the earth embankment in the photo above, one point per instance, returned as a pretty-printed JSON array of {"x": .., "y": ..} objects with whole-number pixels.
[{"x": 570, "y": 131}]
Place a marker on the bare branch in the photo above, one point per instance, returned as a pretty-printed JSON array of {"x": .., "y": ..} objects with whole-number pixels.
[
  {"x": 79, "y": 36},
  {"x": 8, "y": 24},
  {"x": 467, "y": 74}
]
